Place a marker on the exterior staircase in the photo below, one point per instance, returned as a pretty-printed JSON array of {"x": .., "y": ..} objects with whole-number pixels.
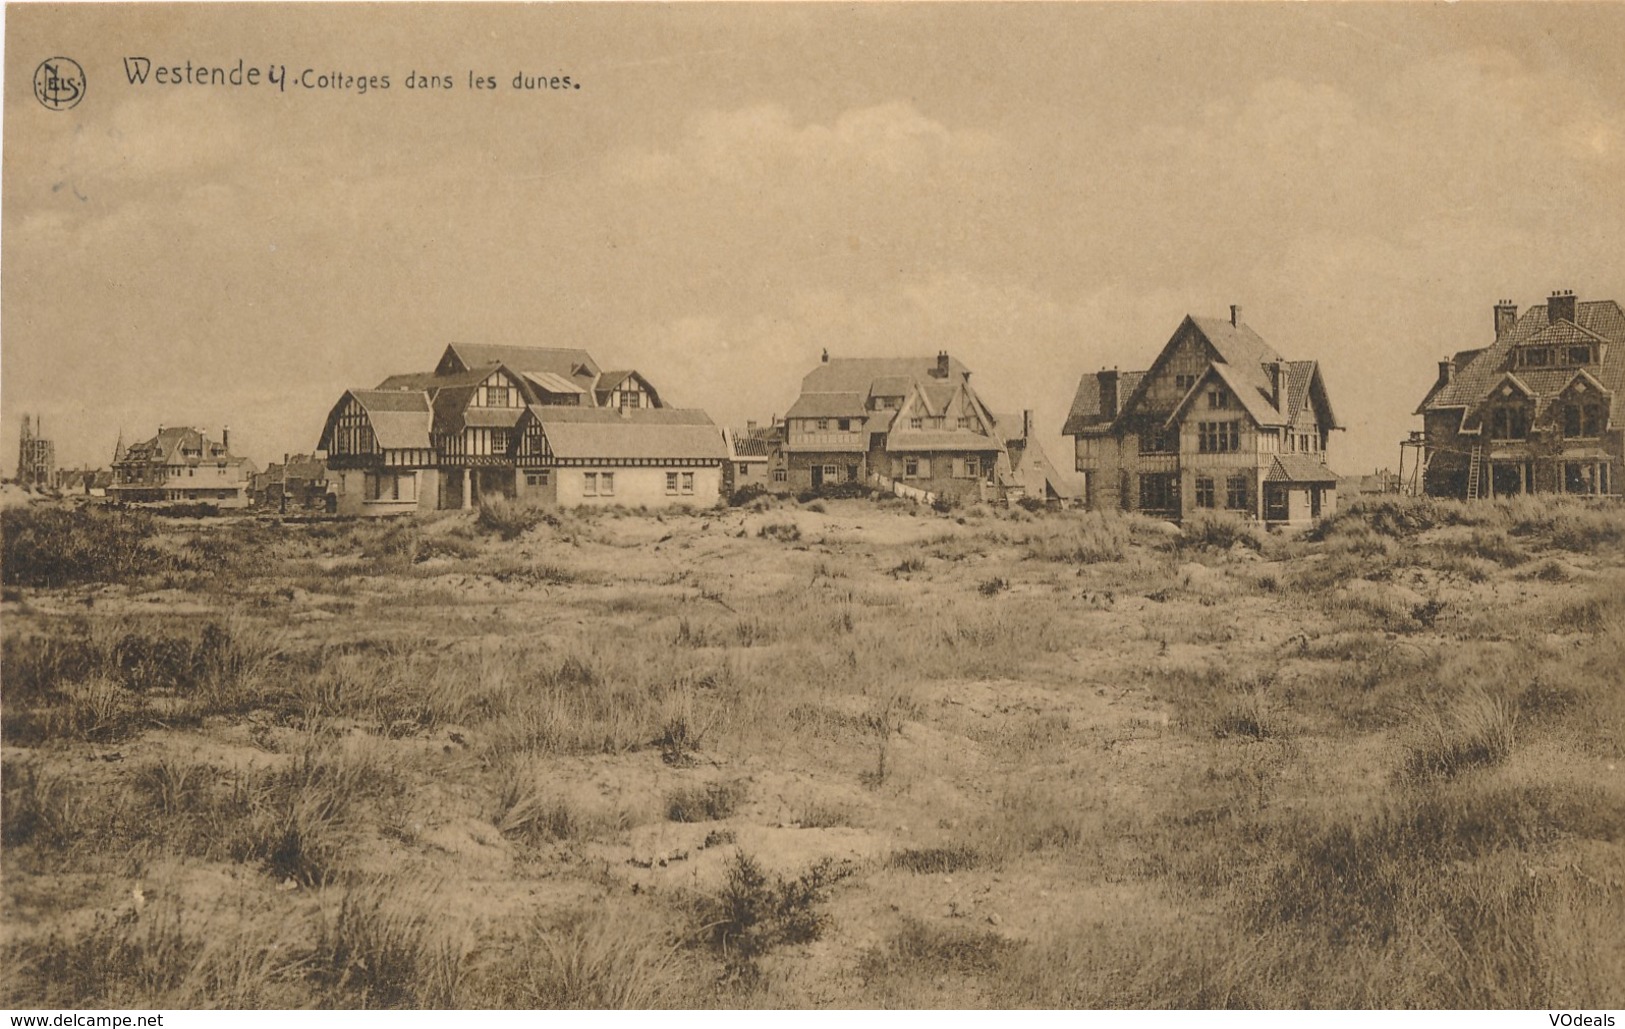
[{"x": 1475, "y": 464}]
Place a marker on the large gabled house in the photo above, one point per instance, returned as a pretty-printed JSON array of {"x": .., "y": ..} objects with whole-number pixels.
[
  {"x": 1220, "y": 421},
  {"x": 1536, "y": 411},
  {"x": 181, "y": 465},
  {"x": 912, "y": 422},
  {"x": 537, "y": 423}
]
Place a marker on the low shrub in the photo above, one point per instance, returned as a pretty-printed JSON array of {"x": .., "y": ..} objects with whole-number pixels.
[
  {"x": 509, "y": 519},
  {"x": 48, "y": 547},
  {"x": 708, "y": 803}
]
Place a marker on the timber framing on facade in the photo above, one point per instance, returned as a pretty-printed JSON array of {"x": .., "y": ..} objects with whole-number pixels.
[
  {"x": 908, "y": 424},
  {"x": 1220, "y": 421},
  {"x": 541, "y": 424},
  {"x": 1536, "y": 411}
]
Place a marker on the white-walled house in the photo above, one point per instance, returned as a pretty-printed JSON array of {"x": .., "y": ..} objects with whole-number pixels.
[{"x": 539, "y": 423}]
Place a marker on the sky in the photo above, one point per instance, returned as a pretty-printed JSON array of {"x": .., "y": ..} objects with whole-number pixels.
[{"x": 1041, "y": 190}]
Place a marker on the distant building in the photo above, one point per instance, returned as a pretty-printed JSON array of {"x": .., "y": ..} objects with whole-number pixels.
[
  {"x": 1220, "y": 421},
  {"x": 182, "y": 465},
  {"x": 1029, "y": 474},
  {"x": 911, "y": 424},
  {"x": 299, "y": 483},
  {"x": 1536, "y": 411},
  {"x": 533, "y": 423},
  {"x": 36, "y": 457},
  {"x": 753, "y": 452}
]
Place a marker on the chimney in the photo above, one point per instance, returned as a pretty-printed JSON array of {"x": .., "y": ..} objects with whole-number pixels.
[
  {"x": 1235, "y": 315},
  {"x": 942, "y": 365},
  {"x": 825, "y": 358},
  {"x": 1275, "y": 384},
  {"x": 1447, "y": 372},
  {"x": 1506, "y": 315},
  {"x": 1561, "y": 306},
  {"x": 225, "y": 437},
  {"x": 1108, "y": 393},
  {"x": 1027, "y": 424}
]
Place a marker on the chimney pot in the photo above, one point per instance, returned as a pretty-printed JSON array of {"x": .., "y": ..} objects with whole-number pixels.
[
  {"x": 1561, "y": 306},
  {"x": 1235, "y": 315},
  {"x": 1506, "y": 316},
  {"x": 1447, "y": 371},
  {"x": 942, "y": 364},
  {"x": 825, "y": 358}
]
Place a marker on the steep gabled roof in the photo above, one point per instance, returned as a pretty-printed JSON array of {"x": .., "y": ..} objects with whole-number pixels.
[
  {"x": 827, "y": 405},
  {"x": 1255, "y": 404},
  {"x": 400, "y": 419},
  {"x": 906, "y": 441},
  {"x": 859, "y": 374}
]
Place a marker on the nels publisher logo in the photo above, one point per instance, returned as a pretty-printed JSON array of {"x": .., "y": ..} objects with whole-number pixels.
[{"x": 59, "y": 83}]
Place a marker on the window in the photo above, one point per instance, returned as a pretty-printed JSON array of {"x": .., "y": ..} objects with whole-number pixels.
[
  {"x": 538, "y": 478},
  {"x": 830, "y": 471},
  {"x": 1184, "y": 382},
  {"x": 1159, "y": 492},
  {"x": 1235, "y": 493},
  {"x": 911, "y": 467},
  {"x": 823, "y": 425},
  {"x": 916, "y": 423},
  {"x": 780, "y": 475},
  {"x": 1510, "y": 422},
  {"x": 589, "y": 484},
  {"x": 631, "y": 399},
  {"x": 496, "y": 396},
  {"x": 1585, "y": 477},
  {"x": 688, "y": 484},
  {"x": 1218, "y": 399},
  {"x": 1159, "y": 440},
  {"x": 1204, "y": 491},
  {"x": 964, "y": 421},
  {"x": 742, "y": 470},
  {"x": 1580, "y": 354},
  {"x": 1535, "y": 357},
  {"x": 845, "y": 425},
  {"x": 606, "y": 484},
  {"x": 1218, "y": 437},
  {"x": 972, "y": 468},
  {"x": 671, "y": 484},
  {"x": 1582, "y": 421},
  {"x": 499, "y": 441},
  {"x": 851, "y": 473}
]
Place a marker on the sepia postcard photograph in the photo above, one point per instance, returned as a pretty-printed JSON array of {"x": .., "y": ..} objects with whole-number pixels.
[{"x": 717, "y": 506}]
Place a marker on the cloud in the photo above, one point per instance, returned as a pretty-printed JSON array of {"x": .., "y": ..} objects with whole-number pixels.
[{"x": 762, "y": 145}]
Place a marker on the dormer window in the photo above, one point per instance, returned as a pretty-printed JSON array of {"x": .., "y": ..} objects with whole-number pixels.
[
  {"x": 1535, "y": 357},
  {"x": 1580, "y": 354},
  {"x": 496, "y": 396},
  {"x": 916, "y": 423}
]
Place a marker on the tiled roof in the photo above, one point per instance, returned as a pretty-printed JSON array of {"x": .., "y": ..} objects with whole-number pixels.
[
  {"x": 582, "y": 433},
  {"x": 747, "y": 444},
  {"x": 828, "y": 405},
  {"x": 562, "y": 361},
  {"x": 1299, "y": 468},
  {"x": 431, "y": 381},
  {"x": 1477, "y": 372},
  {"x": 1085, "y": 412},
  {"x": 400, "y": 419},
  {"x": 859, "y": 374},
  {"x": 492, "y": 417},
  {"x": 171, "y": 444},
  {"x": 1254, "y": 403}
]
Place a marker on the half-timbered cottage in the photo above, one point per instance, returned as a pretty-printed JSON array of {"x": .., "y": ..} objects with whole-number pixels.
[
  {"x": 501, "y": 421},
  {"x": 1220, "y": 421},
  {"x": 1536, "y": 411},
  {"x": 910, "y": 422},
  {"x": 182, "y": 465}
]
